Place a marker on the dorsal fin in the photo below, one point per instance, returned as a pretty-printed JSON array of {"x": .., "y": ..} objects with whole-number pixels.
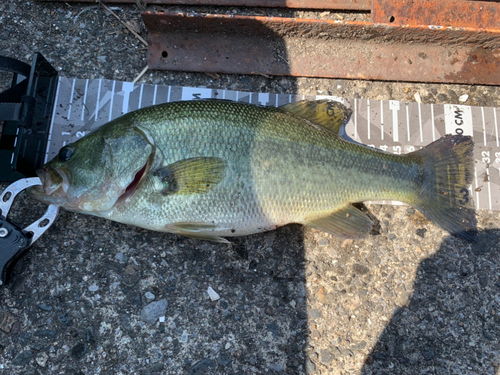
[{"x": 329, "y": 114}]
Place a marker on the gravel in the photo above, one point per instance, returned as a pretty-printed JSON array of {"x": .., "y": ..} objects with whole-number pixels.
[
  {"x": 153, "y": 311},
  {"x": 97, "y": 297}
]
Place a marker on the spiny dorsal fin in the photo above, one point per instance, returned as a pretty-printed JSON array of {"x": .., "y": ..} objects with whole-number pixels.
[
  {"x": 194, "y": 175},
  {"x": 329, "y": 114},
  {"x": 348, "y": 222}
]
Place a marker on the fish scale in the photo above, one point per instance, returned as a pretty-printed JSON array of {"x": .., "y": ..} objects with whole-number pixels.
[{"x": 216, "y": 168}]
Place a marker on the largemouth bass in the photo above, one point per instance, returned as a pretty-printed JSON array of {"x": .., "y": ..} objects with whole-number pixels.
[{"x": 210, "y": 169}]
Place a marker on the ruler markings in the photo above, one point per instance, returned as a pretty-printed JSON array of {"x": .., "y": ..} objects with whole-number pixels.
[
  {"x": 51, "y": 129},
  {"x": 127, "y": 88},
  {"x": 408, "y": 121},
  {"x": 484, "y": 126},
  {"x": 140, "y": 96},
  {"x": 97, "y": 102},
  {"x": 394, "y": 107},
  {"x": 433, "y": 124},
  {"x": 382, "y": 120},
  {"x": 111, "y": 101},
  {"x": 71, "y": 99},
  {"x": 84, "y": 106},
  {"x": 420, "y": 122},
  {"x": 456, "y": 119},
  {"x": 496, "y": 124},
  {"x": 489, "y": 186},
  {"x": 477, "y": 189},
  {"x": 355, "y": 119},
  {"x": 368, "y": 118}
]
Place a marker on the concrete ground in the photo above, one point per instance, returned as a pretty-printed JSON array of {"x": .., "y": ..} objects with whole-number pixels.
[{"x": 90, "y": 295}]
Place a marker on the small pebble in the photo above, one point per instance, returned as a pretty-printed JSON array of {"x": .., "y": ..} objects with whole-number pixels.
[
  {"x": 276, "y": 367},
  {"x": 45, "y": 307},
  {"x": 41, "y": 359},
  {"x": 214, "y": 296},
  {"x": 93, "y": 288},
  {"x": 149, "y": 296},
  {"x": 153, "y": 311},
  {"x": 184, "y": 337},
  {"x": 326, "y": 356},
  {"x": 315, "y": 314},
  {"x": 323, "y": 242},
  {"x": 463, "y": 98},
  {"x": 310, "y": 366}
]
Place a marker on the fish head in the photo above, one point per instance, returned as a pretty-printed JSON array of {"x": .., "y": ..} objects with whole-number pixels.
[{"x": 94, "y": 173}]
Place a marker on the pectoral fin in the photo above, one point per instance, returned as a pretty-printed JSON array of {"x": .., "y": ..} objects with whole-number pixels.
[
  {"x": 199, "y": 231},
  {"x": 348, "y": 222},
  {"x": 329, "y": 114},
  {"x": 194, "y": 175}
]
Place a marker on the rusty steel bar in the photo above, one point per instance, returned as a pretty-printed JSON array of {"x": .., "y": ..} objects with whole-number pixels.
[
  {"x": 315, "y": 48},
  {"x": 456, "y": 13},
  {"x": 361, "y": 5}
]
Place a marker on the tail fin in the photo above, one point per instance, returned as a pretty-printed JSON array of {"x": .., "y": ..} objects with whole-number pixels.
[{"x": 447, "y": 167}]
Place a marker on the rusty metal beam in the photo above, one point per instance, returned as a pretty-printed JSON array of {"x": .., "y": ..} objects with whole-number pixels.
[
  {"x": 456, "y": 13},
  {"x": 361, "y": 5},
  {"x": 314, "y": 48}
]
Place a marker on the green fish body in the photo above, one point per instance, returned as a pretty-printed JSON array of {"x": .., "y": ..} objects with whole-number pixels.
[{"x": 210, "y": 169}]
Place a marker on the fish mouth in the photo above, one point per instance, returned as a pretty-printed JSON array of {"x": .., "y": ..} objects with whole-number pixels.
[{"x": 54, "y": 182}]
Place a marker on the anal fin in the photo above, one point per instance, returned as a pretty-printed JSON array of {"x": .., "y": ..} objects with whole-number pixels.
[{"x": 348, "y": 222}]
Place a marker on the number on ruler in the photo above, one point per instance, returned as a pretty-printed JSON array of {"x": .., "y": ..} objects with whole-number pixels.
[
  {"x": 459, "y": 121},
  {"x": 80, "y": 134},
  {"x": 497, "y": 157},
  {"x": 330, "y": 109},
  {"x": 396, "y": 150},
  {"x": 464, "y": 192},
  {"x": 384, "y": 147},
  {"x": 486, "y": 157}
]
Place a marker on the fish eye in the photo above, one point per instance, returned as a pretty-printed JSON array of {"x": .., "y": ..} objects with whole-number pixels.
[{"x": 66, "y": 153}]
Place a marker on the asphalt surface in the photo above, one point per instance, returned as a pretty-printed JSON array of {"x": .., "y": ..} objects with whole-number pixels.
[{"x": 97, "y": 297}]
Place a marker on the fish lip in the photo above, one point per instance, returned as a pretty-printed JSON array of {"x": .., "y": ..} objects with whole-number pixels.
[{"x": 47, "y": 183}]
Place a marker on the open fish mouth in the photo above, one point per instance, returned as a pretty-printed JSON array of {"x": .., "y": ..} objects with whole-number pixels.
[
  {"x": 134, "y": 184},
  {"x": 53, "y": 180},
  {"x": 55, "y": 185}
]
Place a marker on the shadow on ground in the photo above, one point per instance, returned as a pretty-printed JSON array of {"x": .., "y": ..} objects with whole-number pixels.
[
  {"x": 456, "y": 292},
  {"x": 79, "y": 303}
]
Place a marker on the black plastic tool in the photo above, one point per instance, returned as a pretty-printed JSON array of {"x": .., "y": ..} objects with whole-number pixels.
[
  {"x": 26, "y": 109},
  {"x": 14, "y": 240}
]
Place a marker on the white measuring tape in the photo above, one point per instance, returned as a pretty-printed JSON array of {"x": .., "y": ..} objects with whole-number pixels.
[{"x": 393, "y": 126}]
